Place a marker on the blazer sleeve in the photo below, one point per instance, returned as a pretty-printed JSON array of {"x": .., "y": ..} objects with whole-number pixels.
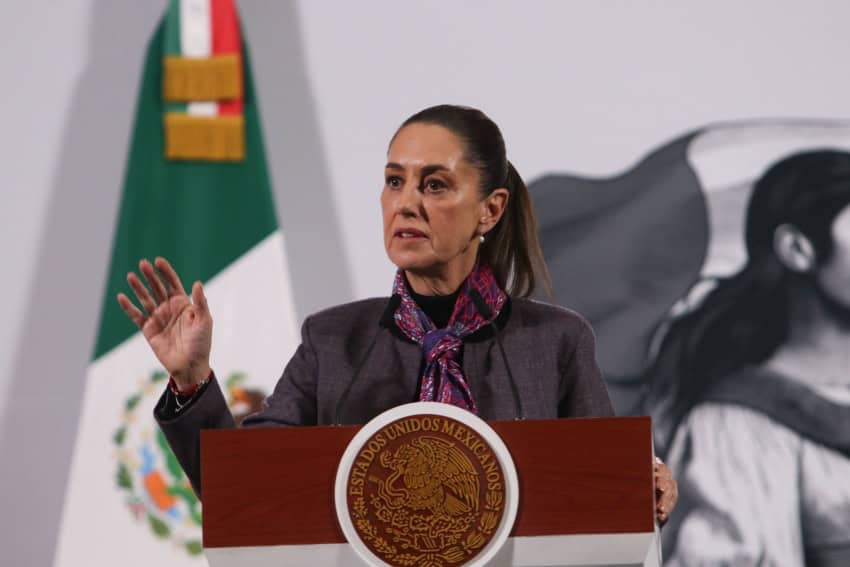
[
  {"x": 183, "y": 430},
  {"x": 293, "y": 402},
  {"x": 583, "y": 391}
]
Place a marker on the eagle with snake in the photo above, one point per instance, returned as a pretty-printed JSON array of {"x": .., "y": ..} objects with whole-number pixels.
[{"x": 430, "y": 473}]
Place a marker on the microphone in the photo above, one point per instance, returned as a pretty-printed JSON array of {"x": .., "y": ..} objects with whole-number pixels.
[
  {"x": 385, "y": 321},
  {"x": 485, "y": 311}
]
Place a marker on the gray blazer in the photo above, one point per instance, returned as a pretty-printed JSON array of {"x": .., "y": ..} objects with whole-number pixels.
[{"x": 550, "y": 350}]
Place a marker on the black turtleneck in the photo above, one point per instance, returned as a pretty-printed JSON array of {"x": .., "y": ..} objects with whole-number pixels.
[{"x": 438, "y": 308}]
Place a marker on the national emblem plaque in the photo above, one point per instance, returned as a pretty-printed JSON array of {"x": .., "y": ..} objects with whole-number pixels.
[{"x": 426, "y": 485}]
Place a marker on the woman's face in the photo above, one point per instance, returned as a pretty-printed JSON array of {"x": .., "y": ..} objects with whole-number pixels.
[
  {"x": 431, "y": 204},
  {"x": 834, "y": 276}
]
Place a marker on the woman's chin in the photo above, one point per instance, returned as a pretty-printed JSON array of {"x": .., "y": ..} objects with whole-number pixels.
[
  {"x": 415, "y": 267},
  {"x": 412, "y": 262}
]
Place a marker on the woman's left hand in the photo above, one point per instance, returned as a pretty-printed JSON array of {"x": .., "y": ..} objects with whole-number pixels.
[{"x": 666, "y": 491}]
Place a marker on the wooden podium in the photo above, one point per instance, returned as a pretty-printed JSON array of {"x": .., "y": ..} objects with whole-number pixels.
[{"x": 586, "y": 494}]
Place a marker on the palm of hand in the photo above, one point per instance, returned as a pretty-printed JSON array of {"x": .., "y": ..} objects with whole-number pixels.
[
  {"x": 177, "y": 326},
  {"x": 178, "y": 333}
]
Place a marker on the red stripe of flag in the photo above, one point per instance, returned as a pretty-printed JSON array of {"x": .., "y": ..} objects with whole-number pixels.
[{"x": 226, "y": 39}]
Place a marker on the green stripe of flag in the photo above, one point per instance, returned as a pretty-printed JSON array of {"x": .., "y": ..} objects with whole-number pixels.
[
  {"x": 171, "y": 45},
  {"x": 200, "y": 215}
]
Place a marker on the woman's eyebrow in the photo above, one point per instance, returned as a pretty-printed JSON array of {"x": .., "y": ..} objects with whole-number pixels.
[
  {"x": 433, "y": 168},
  {"x": 426, "y": 169}
]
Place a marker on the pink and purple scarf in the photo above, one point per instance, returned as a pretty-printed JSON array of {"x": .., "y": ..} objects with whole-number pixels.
[{"x": 442, "y": 349}]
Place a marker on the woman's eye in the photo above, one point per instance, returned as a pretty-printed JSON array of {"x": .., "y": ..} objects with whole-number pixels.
[
  {"x": 434, "y": 185},
  {"x": 393, "y": 181}
]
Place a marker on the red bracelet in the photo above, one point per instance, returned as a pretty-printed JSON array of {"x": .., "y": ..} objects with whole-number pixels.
[{"x": 172, "y": 385}]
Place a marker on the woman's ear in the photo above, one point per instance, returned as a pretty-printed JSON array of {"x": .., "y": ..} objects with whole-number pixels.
[
  {"x": 492, "y": 208},
  {"x": 794, "y": 249}
]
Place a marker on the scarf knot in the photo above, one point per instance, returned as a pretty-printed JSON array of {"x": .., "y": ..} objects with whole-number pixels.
[
  {"x": 436, "y": 343},
  {"x": 443, "y": 379}
]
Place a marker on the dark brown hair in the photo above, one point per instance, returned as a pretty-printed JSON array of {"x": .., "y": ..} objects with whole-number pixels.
[{"x": 511, "y": 248}]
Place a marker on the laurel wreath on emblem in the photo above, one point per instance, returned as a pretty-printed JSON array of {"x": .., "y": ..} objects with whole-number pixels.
[
  {"x": 370, "y": 533},
  {"x": 157, "y": 490}
]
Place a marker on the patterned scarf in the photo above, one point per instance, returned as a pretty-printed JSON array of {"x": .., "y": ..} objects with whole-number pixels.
[{"x": 442, "y": 349}]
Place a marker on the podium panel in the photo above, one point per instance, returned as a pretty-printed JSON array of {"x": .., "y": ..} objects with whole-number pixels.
[{"x": 586, "y": 494}]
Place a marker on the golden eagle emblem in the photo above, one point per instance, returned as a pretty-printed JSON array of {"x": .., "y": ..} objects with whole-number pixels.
[{"x": 432, "y": 474}]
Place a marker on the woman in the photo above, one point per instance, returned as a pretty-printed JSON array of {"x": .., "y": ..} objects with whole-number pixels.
[
  {"x": 459, "y": 225},
  {"x": 752, "y": 387}
]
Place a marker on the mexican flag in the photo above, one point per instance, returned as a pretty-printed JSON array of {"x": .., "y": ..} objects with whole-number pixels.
[{"x": 197, "y": 192}]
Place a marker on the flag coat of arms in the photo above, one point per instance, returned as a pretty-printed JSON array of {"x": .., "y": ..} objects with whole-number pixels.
[{"x": 196, "y": 191}]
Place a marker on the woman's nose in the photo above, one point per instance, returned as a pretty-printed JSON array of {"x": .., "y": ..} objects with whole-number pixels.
[{"x": 408, "y": 199}]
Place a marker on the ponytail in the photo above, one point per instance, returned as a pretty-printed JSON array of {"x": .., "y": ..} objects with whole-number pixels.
[{"x": 512, "y": 247}]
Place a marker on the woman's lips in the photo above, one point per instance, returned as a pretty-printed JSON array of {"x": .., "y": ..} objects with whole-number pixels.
[{"x": 409, "y": 234}]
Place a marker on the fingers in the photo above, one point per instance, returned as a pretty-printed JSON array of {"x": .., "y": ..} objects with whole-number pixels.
[
  {"x": 666, "y": 493},
  {"x": 131, "y": 310},
  {"x": 170, "y": 276},
  {"x": 153, "y": 280},
  {"x": 141, "y": 292},
  {"x": 164, "y": 285},
  {"x": 157, "y": 284},
  {"x": 664, "y": 507},
  {"x": 199, "y": 299},
  {"x": 662, "y": 471}
]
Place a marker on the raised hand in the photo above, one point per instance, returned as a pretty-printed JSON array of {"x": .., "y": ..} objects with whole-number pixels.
[{"x": 178, "y": 328}]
